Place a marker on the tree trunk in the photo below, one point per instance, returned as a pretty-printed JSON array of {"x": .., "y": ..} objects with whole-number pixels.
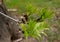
[{"x": 8, "y": 28}]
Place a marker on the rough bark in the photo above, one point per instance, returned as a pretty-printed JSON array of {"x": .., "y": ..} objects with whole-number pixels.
[{"x": 9, "y": 30}]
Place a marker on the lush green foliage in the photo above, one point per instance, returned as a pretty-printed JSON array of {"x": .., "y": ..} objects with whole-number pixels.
[
  {"x": 35, "y": 13},
  {"x": 45, "y": 13},
  {"x": 34, "y": 28},
  {"x": 30, "y": 9}
]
